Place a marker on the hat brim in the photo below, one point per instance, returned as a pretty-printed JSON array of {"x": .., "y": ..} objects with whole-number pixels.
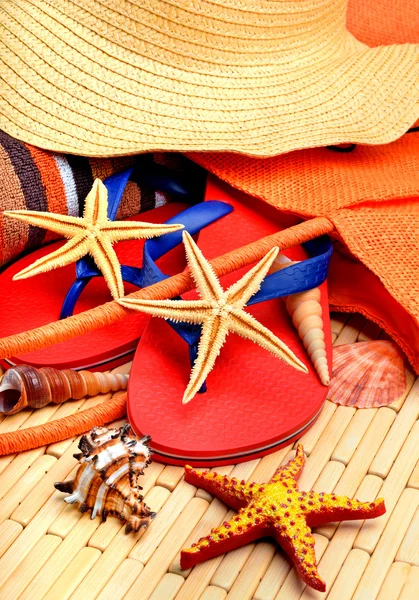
[{"x": 67, "y": 88}]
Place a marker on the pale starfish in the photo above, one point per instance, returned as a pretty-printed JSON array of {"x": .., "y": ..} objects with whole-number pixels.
[
  {"x": 278, "y": 509},
  {"x": 92, "y": 234},
  {"x": 219, "y": 311}
]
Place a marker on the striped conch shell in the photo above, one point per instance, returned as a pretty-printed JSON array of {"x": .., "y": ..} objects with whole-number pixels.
[
  {"x": 24, "y": 385},
  {"x": 106, "y": 482},
  {"x": 306, "y": 313}
]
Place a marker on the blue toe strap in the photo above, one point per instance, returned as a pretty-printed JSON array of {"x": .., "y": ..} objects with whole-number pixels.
[
  {"x": 296, "y": 278},
  {"x": 303, "y": 276},
  {"x": 193, "y": 218}
]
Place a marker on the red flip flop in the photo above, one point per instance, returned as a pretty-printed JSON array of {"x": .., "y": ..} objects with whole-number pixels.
[
  {"x": 254, "y": 403},
  {"x": 33, "y": 302}
]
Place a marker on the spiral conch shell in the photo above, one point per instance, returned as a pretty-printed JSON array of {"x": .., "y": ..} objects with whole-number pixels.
[
  {"x": 24, "y": 385},
  {"x": 306, "y": 313},
  {"x": 106, "y": 482}
]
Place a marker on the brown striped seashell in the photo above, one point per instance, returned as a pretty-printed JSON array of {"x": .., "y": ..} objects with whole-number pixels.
[
  {"x": 367, "y": 374},
  {"x": 106, "y": 482},
  {"x": 306, "y": 313},
  {"x": 24, "y": 385}
]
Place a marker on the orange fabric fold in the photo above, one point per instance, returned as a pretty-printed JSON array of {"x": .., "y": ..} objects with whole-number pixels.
[{"x": 371, "y": 195}]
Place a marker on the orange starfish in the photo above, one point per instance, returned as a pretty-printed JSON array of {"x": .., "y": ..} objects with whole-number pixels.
[{"x": 278, "y": 509}]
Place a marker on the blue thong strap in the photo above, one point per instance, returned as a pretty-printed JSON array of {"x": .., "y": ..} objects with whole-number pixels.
[
  {"x": 300, "y": 277},
  {"x": 193, "y": 218}
]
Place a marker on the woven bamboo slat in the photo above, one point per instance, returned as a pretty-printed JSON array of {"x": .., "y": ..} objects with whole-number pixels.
[
  {"x": 409, "y": 549},
  {"x": 400, "y": 429},
  {"x": 392, "y": 489},
  {"x": 50, "y": 551},
  {"x": 78, "y": 568},
  {"x": 158, "y": 564},
  {"x": 273, "y": 578},
  {"x": 170, "y": 477},
  {"x": 175, "y": 504},
  {"x": 310, "y": 439},
  {"x": 349, "y": 575},
  {"x": 121, "y": 580},
  {"x": 254, "y": 569},
  {"x": 337, "y": 322},
  {"x": 386, "y": 549},
  {"x": 365, "y": 452},
  {"x": 414, "y": 478},
  {"x": 410, "y": 380},
  {"x": 411, "y": 586},
  {"x": 9, "y": 531},
  {"x": 230, "y": 567},
  {"x": 394, "y": 581},
  {"x": 116, "y": 552},
  {"x": 353, "y": 435},
  {"x": 324, "y": 447},
  {"x": 213, "y": 593},
  {"x": 28, "y": 568},
  {"x": 17, "y": 468},
  {"x": 75, "y": 541},
  {"x": 341, "y": 542},
  {"x": 213, "y": 517},
  {"x": 20, "y": 490},
  {"x": 167, "y": 587},
  {"x": 350, "y": 331}
]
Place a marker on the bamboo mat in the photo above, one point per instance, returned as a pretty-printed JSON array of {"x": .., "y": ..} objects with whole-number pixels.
[{"x": 49, "y": 550}]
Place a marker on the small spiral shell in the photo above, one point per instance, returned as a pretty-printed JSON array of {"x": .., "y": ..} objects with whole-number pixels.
[
  {"x": 306, "y": 313},
  {"x": 24, "y": 385}
]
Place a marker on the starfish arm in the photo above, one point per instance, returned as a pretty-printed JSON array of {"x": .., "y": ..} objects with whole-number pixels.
[
  {"x": 189, "y": 311},
  {"x": 296, "y": 539},
  {"x": 230, "y": 535},
  {"x": 241, "y": 291},
  {"x": 248, "y": 327},
  {"x": 96, "y": 204},
  {"x": 214, "y": 333},
  {"x": 205, "y": 279},
  {"x": 62, "y": 224},
  {"x": 106, "y": 260},
  {"x": 326, "y": 508},
  {"x": 230, "y": 490},
  {"x": 117, "y": 231},
  {"x": 292, "y": 469},
  {"x": 71, "y": 251}
]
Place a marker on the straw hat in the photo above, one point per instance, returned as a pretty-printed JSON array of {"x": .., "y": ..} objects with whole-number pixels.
[{"x": 114, "y": 77}]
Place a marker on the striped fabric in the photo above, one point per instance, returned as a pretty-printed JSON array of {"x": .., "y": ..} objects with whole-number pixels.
[{"x": 35, "y": 179}]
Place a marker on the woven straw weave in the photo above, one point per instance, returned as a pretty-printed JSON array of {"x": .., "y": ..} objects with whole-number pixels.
[
  {"x": 386, "y": 239},
  {"x": 115, "y": 77}
]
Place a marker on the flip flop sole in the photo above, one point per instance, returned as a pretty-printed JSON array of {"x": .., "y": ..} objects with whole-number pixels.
[
  {"x": 30, "y": 303},
  {"x": 255, "y": 403}
]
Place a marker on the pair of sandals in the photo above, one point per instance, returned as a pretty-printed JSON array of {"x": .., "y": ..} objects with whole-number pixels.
[{"x": 253, "y": 403}]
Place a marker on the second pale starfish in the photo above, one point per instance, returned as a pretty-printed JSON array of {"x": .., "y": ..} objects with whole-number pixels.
[
  {"x": 92, "y": 234},
  {"x": 219, "y": 311}
]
